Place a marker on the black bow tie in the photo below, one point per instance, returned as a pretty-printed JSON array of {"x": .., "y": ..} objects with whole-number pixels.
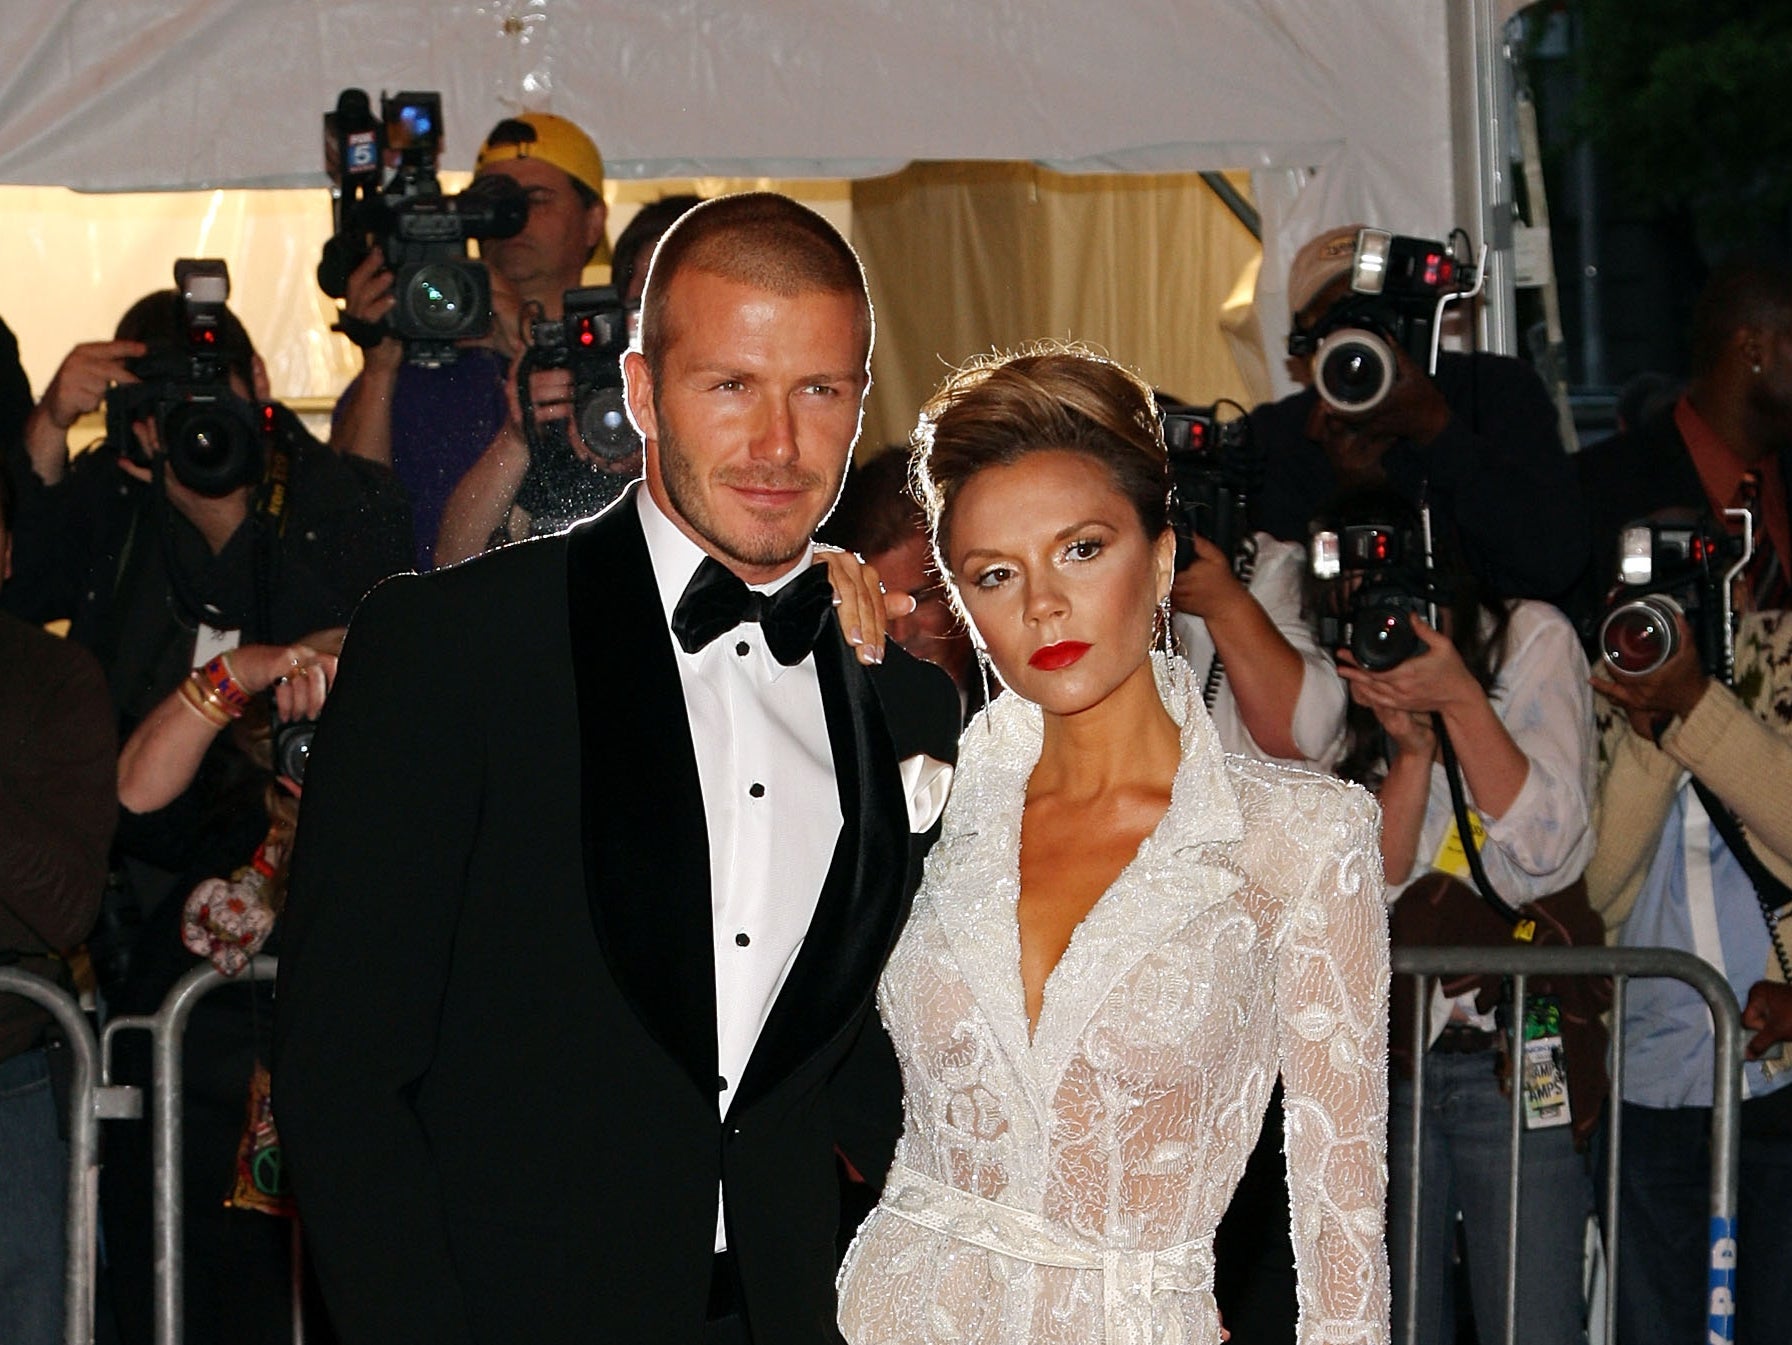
[{"x": 716, "y": 601}]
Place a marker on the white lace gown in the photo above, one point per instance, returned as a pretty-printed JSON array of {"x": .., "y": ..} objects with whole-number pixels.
[{"x": 1064, "y": 1189}]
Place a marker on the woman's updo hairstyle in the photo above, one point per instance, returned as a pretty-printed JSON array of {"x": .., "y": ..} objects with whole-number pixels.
[{"x": 996, "y": 409}]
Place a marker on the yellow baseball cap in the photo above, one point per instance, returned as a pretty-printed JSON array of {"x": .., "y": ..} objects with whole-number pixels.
[{"x": 542, "y": 135}]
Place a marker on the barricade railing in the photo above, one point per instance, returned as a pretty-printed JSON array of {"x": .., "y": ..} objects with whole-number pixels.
[
  {"x": 1521, "y": 963},
  {"x": 167, "y": 1029},
  {"x": 90, "y": 1101}
]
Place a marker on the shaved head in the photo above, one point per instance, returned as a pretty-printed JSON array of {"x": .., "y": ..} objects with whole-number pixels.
[{"x": 759, "y": 239}]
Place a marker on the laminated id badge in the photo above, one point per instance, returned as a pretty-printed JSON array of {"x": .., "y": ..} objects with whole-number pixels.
[{"x": 1545, "y": 1065}]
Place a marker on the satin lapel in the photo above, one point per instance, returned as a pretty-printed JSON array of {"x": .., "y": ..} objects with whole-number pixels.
[
  {"x": 865, "y": 896},
  {"x": 645, "y": 840}
]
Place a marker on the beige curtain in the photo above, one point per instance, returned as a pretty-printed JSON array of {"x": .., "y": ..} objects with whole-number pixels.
[{"x": 966, "y": 257}]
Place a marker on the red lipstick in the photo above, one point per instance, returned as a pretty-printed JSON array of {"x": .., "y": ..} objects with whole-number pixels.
[{"x": 1057, "y": 657}]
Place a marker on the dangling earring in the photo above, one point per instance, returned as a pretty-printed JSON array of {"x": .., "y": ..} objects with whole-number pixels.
[
  {"x": 1166, "y": 628},
  {"x": 989, "y": 694}
]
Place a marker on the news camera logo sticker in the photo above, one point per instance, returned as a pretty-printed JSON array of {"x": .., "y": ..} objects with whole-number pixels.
[{"x": 363, "y": 152}]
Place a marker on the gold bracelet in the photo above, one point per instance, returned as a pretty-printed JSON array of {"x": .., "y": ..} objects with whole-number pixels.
[{"x": 196, "y": 693}]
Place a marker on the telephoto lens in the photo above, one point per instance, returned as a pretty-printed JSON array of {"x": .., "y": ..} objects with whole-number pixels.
[{"x": 1638, "y": 636}]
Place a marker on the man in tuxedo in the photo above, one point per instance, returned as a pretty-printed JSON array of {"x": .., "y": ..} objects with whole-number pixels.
[{"x": 606, "y": 838}]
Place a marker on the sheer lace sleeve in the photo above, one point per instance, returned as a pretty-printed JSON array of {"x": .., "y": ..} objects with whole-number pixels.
[{"x": 1331, "y": 1017}]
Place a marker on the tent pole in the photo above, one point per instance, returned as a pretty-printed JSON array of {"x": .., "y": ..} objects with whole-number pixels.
[{"x": 1246, "y": 213}]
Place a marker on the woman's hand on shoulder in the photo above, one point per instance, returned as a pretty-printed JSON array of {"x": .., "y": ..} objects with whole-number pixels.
[{"x": 862, "y": 607}]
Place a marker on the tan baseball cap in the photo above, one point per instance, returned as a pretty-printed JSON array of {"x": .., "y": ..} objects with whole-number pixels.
[
  {"x": 1320, "y": 261},
  {"x": 542, "y": 135}
]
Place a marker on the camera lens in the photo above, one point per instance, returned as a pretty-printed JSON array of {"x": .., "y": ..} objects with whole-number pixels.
[
  {"x": 442, "y": 300},
  {"x": 1381, "y": 637},
  {"x": 292, "y": 749},
  {"x": 211, "y": 444},
  {"x": 605, "y": 427},
  {"x": 1640, "y": 635},
  {"x": 1353, "y": 369}
]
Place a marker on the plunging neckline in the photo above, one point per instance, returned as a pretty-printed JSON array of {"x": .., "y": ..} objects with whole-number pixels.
[
  {"x": 1119, "y": 880},
  {"x": 981, "y": 834}
]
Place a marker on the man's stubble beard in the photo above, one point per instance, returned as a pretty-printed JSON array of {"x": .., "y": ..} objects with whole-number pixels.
[{"x": 684, "y": 490}]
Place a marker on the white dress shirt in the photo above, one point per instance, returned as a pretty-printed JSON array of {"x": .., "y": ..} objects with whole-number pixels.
[{"x": 771, "y": 805}]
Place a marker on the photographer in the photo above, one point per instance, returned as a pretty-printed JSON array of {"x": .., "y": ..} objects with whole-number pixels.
[
  {"x": 539, "y": 474},
  {"x": 432, "y": 424},
  {"x": 160, "y": 576},
  {"x": 1276, "y": 693},
  {"x": 57, "y": 811},
  {"x": 1506, "y": 681},
  {"x": 1477, "y": 441},
  {"x": 1695, "y": 839}
]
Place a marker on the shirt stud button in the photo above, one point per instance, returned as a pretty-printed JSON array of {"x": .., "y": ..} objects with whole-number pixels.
[
  {"x": 721, "y": 1084},
  {"x": 743, "y": 648},
  {"x": 741, "y": 939},
  {"x": 756, "y": 789}
]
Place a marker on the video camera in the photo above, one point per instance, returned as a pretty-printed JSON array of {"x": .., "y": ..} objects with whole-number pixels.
[
  {"x": 1395, "y": 581},
  {"x": 442, "y": 297},
  {"x": 1214, "y": 468},
  {"x": 1675, "y": 563},
  {"x": 213, "y": 438},
  {"x": 1399, "y": 288}
]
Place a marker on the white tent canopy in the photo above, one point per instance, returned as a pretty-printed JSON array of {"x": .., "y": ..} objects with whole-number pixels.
[{"x": 1377, "y": 95}]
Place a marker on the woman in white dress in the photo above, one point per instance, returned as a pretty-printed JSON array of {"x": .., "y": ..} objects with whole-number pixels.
[{"x": 1123, "y": 934}]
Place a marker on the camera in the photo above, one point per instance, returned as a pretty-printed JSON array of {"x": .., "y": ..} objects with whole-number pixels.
[
  {"x": 1390, "y": 563},
  {"x": 1214, "y": 468},
  {"x": 1399, "y": 287},
  {"x": 441, "y": 296},
  {"x": 560, "y": 486},
  {"x": 1675, "y": 563},
  {"x": 292, "y": 748},
  {"x": 590, "y": 340},
  {"x": 213, "y": 439}
]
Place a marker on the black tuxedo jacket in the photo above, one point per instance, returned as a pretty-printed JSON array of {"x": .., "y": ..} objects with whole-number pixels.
[{"x": 495, "y": 1053}]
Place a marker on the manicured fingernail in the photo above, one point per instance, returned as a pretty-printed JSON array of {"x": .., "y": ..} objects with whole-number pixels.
[
  {"x": 854, "y": 637},
  {"x": 836, "y": 600},
  {"x": 874, "y": 655}
]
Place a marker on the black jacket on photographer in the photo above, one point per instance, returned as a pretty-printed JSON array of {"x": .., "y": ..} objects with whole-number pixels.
[
  {"x": 1497, "y": 475},
  {"x": 135, "y": 579}
]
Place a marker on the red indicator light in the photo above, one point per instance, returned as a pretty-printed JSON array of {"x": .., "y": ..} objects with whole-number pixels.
[
  {"x": 586, "y": 336},
  {"x": 1197, "y": 436},
  {"x": 1380, "y": 546},
  {"x": 1433, "y": 267}
]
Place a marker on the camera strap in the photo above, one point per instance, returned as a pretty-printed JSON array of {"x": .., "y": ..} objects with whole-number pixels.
[
  {"x": 363, "y": 333},
  {"x": 1522, "y": 926},
  {"x": 269, "y": 516},
  {"x": 1770, "y": 893}
]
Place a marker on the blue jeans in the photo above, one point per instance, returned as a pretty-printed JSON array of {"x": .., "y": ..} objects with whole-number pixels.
[
  {"x": 33, "y": 1204},
  {"x": 1465, "y": 1171},
  {"x": 1664, "y": 1176}
]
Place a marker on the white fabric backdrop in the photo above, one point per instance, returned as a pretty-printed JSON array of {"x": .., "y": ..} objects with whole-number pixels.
[{"x": 105, "y": 95}]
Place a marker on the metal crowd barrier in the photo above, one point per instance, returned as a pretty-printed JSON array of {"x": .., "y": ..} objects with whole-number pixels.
[
  {"x": 167, "y": 1029},
  {"x": 1424, "y": 965},
  {"x": 90, "y": 1102}
]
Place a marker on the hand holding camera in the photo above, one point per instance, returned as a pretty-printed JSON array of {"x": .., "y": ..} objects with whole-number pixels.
[
  {"x": 80, "y": 386},
  {"x": 1405, "y": 696},
  {"x": 1207, "y": 587},
  {"x": 1666, "y": 691}
]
